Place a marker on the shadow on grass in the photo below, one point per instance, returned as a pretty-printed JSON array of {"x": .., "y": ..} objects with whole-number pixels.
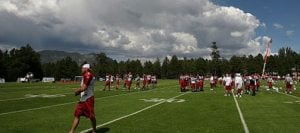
[{"x": 103, "y": 130}]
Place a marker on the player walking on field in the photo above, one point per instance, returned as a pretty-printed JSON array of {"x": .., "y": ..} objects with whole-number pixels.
[
  {"x": 247, "y": 84},
  {"x": 137, "y": 81},
  {"x": 193, "y": 83},
  {"x": 212, "y": 83},
  {"x": 256, "y": 77},
  {"x": 112, "y": 78},
  {"x": 129, "y": 81},
  {"x": 252, "y": 85},
  {"x": 270, "y": 82},
  {"x": 186, "y": 82},
  {"x": 107, "y": 82},
  {"x": 148, "y": 80},
  {"x": 239, "y": 85},
  {"x": 85, "y": 107},
  {"x": 144, "y": 81},
  {"x": 228, "y": 85},
  {"x": 117, "y": 82},
  {"x": 125, "y": 77},
  {"x": 288, "y": 84},
  {"x": 199, "y": 84},
  {"x": 181, "y": 83},
  {"x": 153, "y": 81}
]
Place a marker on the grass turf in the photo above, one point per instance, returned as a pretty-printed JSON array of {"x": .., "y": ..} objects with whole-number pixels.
[{"x": 206, "y": 111}]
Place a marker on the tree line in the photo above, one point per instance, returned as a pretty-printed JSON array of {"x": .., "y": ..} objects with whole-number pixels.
[{"x": 17, "y": 62}]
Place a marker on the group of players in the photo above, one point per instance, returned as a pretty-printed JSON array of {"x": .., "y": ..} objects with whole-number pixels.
[
  {"x": 85, "y": 107},
  {"x": 144, "y": 82},
  {"x": 195, "y": 82},
  {"x": 251, "y": 83}
]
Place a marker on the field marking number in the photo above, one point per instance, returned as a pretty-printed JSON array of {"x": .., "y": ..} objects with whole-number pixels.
[
  {"x": 156, "y": 100},
  {"x": 292, "y": 102},
  {"x": 44, "y": 95}
]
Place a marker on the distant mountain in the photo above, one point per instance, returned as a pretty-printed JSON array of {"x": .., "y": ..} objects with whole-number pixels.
[{"x": 54, "y": 55}]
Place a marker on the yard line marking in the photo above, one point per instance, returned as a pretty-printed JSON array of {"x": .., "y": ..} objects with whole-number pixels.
[
  {"x": 286, "y": 94},
  {"x": 241, "y": 116},
  {"x": 289, "y": 95},
  {"x": 14, "y": 99},
  {"x": 25, "y": 110},
  {"x": 134, "y": 113}
]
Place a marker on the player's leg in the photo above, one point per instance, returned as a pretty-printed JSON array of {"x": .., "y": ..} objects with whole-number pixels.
[
  {"x": 108, "y": 85},
  {"x": 253, "y": 90},
  {"x": 93, "y": 122},
  {"x": 75, "y": 124},
  {"x": 129, "y": 85}
]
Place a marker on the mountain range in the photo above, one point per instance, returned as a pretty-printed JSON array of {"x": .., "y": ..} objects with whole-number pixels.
[{"x": 55, "y": 55}]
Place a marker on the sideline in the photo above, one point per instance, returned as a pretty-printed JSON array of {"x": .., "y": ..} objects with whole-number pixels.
[
  {"x": 241, "y": 115},
  {"x": 134, "y": 113},
  {"x": 44, "y": 107}
]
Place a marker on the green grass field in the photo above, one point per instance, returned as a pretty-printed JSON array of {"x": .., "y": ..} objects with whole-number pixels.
[{"x": 49, "y": 108}]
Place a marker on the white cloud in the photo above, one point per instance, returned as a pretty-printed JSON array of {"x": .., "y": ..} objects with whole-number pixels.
[
  {"x": 236, "y": 34},
  {"x": 266, "y": 39},
  {"x": 8, "y": 6},
  {"x": 289, "y": 33},
  {"x": 278, "y": 26},
  {"x": 262, "y": 42},
  {"x": 264, "y": 25},
  {"x": 130, "y": 28}
]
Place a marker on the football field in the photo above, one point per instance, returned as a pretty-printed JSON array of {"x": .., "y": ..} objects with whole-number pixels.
[{"x": 49, "y": 108}]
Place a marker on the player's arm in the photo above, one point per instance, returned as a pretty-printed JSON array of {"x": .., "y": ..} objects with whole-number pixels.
[{"x": 83, "y": 87}]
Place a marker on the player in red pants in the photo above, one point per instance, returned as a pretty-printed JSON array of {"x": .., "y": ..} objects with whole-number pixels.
[
  {"x": 129, "y": 81},
  {"x": 289, "y": 84},
  {"x": 181, "y": 83},
  {"x": 270, "y": 82}
]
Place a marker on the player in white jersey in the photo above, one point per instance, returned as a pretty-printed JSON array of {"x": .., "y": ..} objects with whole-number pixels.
[
  {"x": 212, "y": 82},
  {"x": 129, "y": 80},
  {"x": 137, "y": 81},
  {"x": 238, "y": 85},
  {"x": 112, "y": 78},
  {"x": 181, "y": 83},
  {"x": 200, "y": 83},
  {"x": 118, "y": 79},
  {"x": 193, "y": 83},
  {"x": 107, "y": 82},
  {"x": 144, "y": 81},
  {"x": 153, "y": 81},
  {"x": 85, "y": 107},
  {"x": 228, "y": 85},
  {"x": 289, "y": 84},
  {"x": 270, "y": 82},
  {"x": 252, "y": 85},
  {"x": 257, "y": 85},
  {"x": 148, "y": 81}
]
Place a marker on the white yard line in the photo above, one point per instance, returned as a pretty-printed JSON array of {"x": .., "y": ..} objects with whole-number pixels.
[
  {"x": 241, "y": 116},
  {"x": 13, "y": 99},
  {"x": 134, "y": 113},
  {"x": 44, "y": 107},
  {"x": 289, "y": 95},
  {"x": 286, "y": 94},
  {"x": 25, "y": 110}
]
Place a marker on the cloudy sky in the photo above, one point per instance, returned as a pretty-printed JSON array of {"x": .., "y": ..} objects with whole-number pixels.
[{"x": 150, "y": 28}]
